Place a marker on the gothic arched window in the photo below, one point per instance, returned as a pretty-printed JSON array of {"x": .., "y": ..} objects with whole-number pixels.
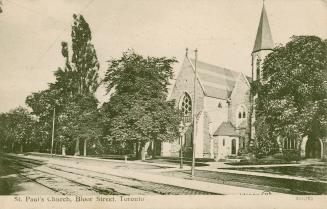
[
  {"x": 186, "y": 107},
  {"x": 289, "y": 143}
]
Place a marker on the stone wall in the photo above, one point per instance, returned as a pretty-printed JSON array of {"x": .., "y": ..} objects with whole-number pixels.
[
  {"x": 216, "y": 115},
  {"x": 223, "y": 146},
  {"x": 207, "y": 139}
]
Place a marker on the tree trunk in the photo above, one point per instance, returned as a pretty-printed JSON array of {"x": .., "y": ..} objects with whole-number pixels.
[
  {"x": 143, "y": 151},
  {"x": 21, "y": 147},
  {"x": 63, "y": 150},
  {"x": 77, "y": 153},
  {"x": 153, "y": 150},
  {"x": 138, "y": 153},
  {"x": 12, "y": 147},
  {"x": 85, "y": 143}
]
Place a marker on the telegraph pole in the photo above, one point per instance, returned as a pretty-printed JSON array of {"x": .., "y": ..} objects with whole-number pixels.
[
  {"x": 194, "y": 114},
  {"x": 53, "y": 125}
]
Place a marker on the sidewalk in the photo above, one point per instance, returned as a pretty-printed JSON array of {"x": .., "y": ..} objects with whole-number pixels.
[
  {"x": 217, "y": 167},
  {"x": 213, "y": 167}
]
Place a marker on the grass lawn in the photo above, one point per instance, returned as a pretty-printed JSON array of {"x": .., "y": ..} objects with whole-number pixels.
[
  {"x": 256, "y": 182},
  {"x": 312, "y": 172}
]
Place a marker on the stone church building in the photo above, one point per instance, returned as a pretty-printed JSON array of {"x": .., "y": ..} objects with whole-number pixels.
[{"x": 223, "y": 106}]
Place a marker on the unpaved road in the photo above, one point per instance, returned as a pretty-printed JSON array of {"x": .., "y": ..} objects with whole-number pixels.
[{"x": 28, "y": 176}]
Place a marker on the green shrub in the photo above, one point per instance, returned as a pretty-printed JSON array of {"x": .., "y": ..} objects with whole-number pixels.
[{"x": 291, "y": 155}]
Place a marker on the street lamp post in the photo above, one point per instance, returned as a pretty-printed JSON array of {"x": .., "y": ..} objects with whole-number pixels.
[
  {"x": 181, "y": 152},
  {"x": 181, "y": 144},
  {"x": 53, "y": 125},
  {"x": 194, "y": 114}
]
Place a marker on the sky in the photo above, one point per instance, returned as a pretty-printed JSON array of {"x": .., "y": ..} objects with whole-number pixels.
[{"x": 223, "y": 31}]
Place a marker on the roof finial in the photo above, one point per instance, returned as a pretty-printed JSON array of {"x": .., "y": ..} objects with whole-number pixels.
[{"x": 186, "y": 52}]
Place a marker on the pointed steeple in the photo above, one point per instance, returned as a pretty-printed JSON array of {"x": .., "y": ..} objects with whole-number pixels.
[{"x": 264, "y": 38}]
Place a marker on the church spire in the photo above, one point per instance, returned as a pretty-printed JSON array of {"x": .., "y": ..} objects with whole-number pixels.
[{"x": 264, "y": 40}]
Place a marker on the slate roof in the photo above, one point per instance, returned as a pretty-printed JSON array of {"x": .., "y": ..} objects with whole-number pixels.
[
  {"x": 225, "y": 129},
  {"x": 263, "y": 39},
  {"x": 216, "y": 81}
]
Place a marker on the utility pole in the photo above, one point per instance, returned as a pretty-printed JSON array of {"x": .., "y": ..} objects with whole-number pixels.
[
  {"x": 181, "y": 152},
  {"x": 194, "y": 114},
  {"x": 53, "y": 125}
]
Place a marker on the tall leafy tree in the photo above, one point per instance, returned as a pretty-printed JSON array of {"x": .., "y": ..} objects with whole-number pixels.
[
  {"x": 77, "y": 79},
  {"x": 138, "y": 111},
  {"x": 84, "y": 61},
  {"x": 292, "y": 95}
]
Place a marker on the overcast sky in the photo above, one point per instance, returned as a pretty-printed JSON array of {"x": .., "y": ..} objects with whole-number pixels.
[{"x": 222, "y": 30}]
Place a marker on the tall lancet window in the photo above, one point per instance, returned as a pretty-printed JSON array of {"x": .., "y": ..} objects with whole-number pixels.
[{"x": 186, "y": 107}]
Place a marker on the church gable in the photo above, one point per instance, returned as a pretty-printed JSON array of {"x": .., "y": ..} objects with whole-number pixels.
[
  {"x": 240, "y": 101},
  {"x": 185, "y": 84}
]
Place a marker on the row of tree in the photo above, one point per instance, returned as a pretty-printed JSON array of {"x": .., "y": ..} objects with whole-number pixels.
[
  {"x": 136, "y": 114},
  {"x": 292, "y": 101}
]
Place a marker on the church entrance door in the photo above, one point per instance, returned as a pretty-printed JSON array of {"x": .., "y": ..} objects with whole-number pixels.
[
  {"x": 313, "y": 148},
  {"x": 233, "y": 146}
]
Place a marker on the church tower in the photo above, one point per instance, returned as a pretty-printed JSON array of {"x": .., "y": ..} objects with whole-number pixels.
[{"x": 263, "y": 45}]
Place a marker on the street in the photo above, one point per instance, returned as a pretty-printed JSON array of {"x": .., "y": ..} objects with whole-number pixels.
[
  {"x": 66, "y": 180},
  {"x": 41, "y": 174}
]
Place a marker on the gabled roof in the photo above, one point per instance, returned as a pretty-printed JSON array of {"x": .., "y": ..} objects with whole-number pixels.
[
  {"x": 263, "y": 39},
  {"x": 225, "y": 129},
  {"x": 216, "y": 81},
  {"x": 242, "y": 125}
]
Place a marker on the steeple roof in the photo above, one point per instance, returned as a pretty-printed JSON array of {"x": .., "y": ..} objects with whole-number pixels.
[{"x": 264, "y": 39}]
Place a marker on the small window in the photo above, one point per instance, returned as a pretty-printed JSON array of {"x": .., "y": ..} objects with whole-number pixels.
[
  {"x": 244, "y": 115},
  {"x": 219, "y": 105},
  {"x": 239, "y": 115},
  {"x": 223, "y": 142}
]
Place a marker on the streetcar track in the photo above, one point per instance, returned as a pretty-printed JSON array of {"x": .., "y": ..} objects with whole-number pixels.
[
  {"x": 33, "y": 180},
  {"x": 143, "y": 185},
  {"x": 99, "y": 190}
]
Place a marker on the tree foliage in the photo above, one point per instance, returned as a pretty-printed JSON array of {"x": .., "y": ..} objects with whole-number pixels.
[
  {"x": 17, "y": 129},
  {"x": 72, "y": 93},
  {"x": 292, "y": 95},
  {"x": 138, "y": 111}
]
